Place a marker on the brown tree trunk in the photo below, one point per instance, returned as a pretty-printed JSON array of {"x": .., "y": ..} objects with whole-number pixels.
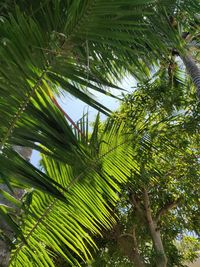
[
  {"x": 129, "y": 247},
  {"x": 155, "y": 234},
  {"x": 193, "y": 70},
  {"x": 136, "y": 257},
  {"x": 4, "y": 244}
]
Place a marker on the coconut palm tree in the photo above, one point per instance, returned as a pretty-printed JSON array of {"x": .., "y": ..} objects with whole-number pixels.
[{"x": 179, "y": 30}]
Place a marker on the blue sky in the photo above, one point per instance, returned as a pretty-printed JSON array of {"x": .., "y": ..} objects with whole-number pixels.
[{"x": 75, "y": 108}]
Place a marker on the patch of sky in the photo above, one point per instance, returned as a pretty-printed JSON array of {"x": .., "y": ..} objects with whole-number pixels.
[{"x": 76, "y": 108}]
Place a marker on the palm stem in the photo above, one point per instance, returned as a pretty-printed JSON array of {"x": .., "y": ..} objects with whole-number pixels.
[{"x": 193, "y": 70}]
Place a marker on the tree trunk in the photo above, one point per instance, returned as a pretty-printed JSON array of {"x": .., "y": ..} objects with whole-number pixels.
[
  {"x": 161, "y": 259},
  {"x": 193, "y": 70},
  {"x": 4, "y": 244},
  {"x": 155, "y": 234},
  {"x": 129, "y": 247},
  {"x": 136, "y": 257}
]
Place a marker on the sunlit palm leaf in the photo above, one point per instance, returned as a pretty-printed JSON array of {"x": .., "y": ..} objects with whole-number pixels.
[{"x": 90, "y": 188}]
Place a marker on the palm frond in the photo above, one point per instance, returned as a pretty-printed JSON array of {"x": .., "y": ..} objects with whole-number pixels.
[
  {"x": 20, "y": 173},
  {"x": 79, "y": 45},
  {"x": 66, "y": 229},
  {"x": 92, "y": 184}
]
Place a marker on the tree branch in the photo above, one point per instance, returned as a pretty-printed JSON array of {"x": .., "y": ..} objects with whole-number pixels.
[
  {"x": 154, "y": 232},
  {"x": 166, "y": 208},
  {"x": 125, "y": 235},
  {"x": 135, "y": 204},
  {"x": 147, "y": 206}
]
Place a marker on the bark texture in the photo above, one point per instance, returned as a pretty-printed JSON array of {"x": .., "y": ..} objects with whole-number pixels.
[
  {"x": 4, "y": 243},
  {"x": 193, "y": 70}
]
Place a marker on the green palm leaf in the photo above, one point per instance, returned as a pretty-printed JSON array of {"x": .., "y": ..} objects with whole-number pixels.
[
  {"x": 72, "y": 44},
  {"x": 51, "y": 226}
]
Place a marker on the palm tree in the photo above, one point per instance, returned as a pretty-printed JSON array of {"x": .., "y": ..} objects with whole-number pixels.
[
  {"x": 179, "y": 30},
  {"x": 76, "y": 46}
]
